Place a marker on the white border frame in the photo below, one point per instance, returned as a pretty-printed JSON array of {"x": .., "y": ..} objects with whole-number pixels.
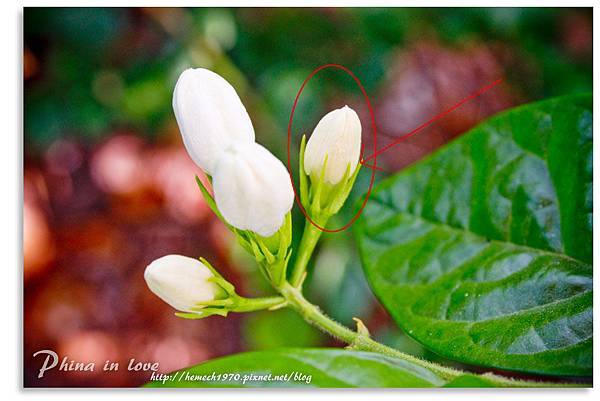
[{"x": 11, "y": 202}]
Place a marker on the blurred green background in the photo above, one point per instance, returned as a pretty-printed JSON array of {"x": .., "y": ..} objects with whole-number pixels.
[{"x": 108, "y": 186}]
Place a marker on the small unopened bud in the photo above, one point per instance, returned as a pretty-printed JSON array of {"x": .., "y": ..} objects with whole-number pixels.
[
  {"x": 210, "y": 116},
  {"x": 181, "y": 282},
  {"x": 337, "y": 137},
  {"x": 253, "y": 190}
]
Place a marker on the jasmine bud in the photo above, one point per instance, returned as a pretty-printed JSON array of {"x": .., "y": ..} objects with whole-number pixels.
[
  {"x": 181, "y": 281},
  {"x": 252, "y": 188},
  {"x": 210, "y": 116},
  {"x": 337, "y": 137}
]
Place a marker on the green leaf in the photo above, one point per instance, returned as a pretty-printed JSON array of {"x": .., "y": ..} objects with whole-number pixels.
[
  {"x": 326, "y": 368},
  {"x": 482, "y": 252}
]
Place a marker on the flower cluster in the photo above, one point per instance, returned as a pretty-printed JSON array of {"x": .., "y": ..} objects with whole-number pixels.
[
  {"x": 251, "y": 191},
  {"x": 252, "y": 187}
]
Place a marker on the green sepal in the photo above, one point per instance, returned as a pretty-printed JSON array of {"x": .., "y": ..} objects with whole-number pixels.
[
  {"x": 286, "y": 235},
  {"x": 302, "y": 174},
  {"x": 323, "y": 200},
  {"x": 227, "y": 287},
  {"x": 205, "y": 312},
  {"x": 315, "y": 196},
  {"x": 341, "y": 194},
  {"x": 271, "y": 253},
  {"x": 216, "y": 302},
  {"x": 210, "y": 201}
]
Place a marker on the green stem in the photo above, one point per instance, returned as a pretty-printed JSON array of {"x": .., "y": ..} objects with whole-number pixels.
[
  {"x": 255, "y": 304},
  {"x": 309, "y": 240},
  {"x": 313, "y": 315}
]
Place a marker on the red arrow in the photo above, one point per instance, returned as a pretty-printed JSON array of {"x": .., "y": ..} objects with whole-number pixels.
[{"x": 428, "y": 123}]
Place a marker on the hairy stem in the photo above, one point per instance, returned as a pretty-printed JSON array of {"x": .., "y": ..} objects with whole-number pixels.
[
  {"x": 357, "y": 341},
  {"x": 313, "y": 315}
]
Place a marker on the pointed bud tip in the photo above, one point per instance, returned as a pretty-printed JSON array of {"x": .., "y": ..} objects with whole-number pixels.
[{"x": 337, "y": 134}]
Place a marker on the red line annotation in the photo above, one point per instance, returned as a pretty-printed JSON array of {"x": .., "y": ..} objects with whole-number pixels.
[{"x": 472, "y": 96}]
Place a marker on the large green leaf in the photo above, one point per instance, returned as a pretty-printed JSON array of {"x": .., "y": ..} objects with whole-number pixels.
[
  {"x": 321, "y": 367},
  {"x": 482, "y": 252},
  {"x": 326, "y": 368}
]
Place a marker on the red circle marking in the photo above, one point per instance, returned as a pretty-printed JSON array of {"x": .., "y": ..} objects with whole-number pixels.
[{"x": 374, "y": 163}]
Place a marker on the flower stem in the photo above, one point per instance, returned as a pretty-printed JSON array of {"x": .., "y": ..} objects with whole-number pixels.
[
  {"x": 255, "y": 304},
  {"x": 309, "y": 240},
  {"x": 313, "y": 315},
  {"x": 357, "y": 341}
]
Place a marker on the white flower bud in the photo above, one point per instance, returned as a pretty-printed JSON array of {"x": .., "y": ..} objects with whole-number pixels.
[
  {"x": 252, "y": 189},
  {"x": 337, "y": 135},
  {"x": 181, "y": 281},
  {"x": 210, "y": 115}
]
